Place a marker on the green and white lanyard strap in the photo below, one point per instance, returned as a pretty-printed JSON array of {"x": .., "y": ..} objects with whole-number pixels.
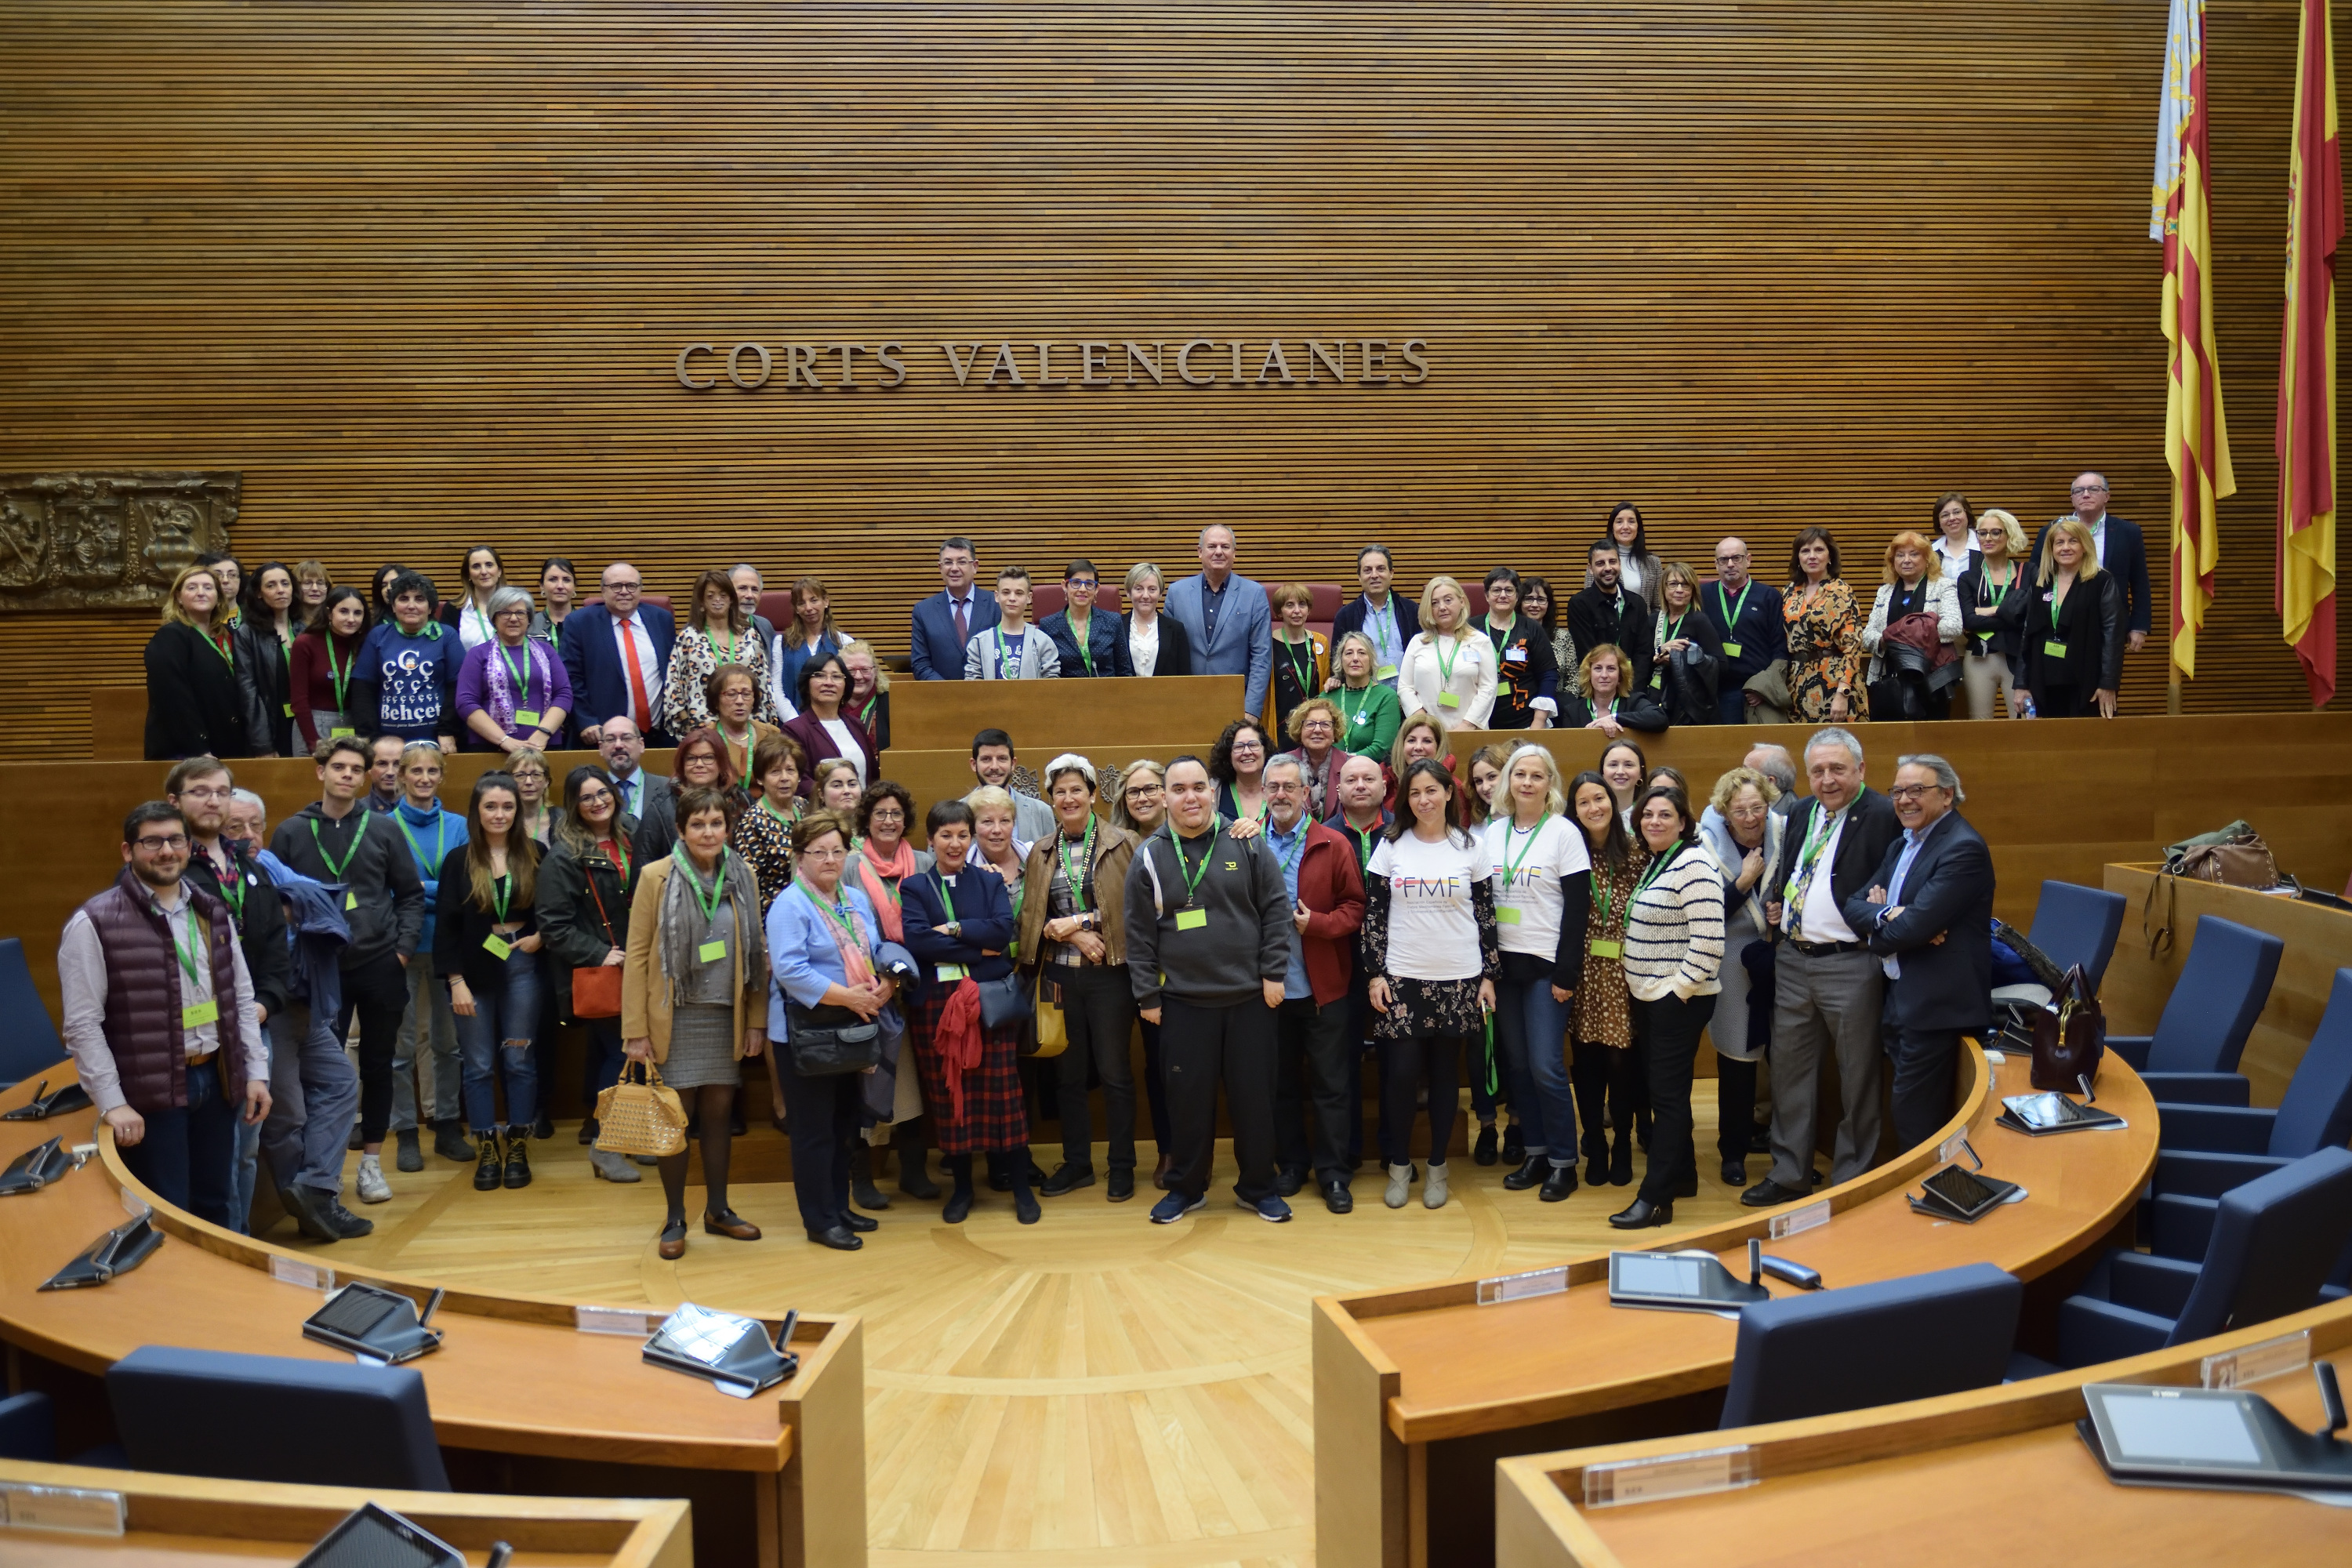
[
  {"x": 1817, "y": 841},
  {"x": 1192, "y": 879},
  {"x": 1073, "y": 876},
  {"x": 709, "y": 902},
  {"x": 197, "y": 943}
]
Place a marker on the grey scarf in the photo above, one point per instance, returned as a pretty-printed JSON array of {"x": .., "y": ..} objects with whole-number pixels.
[{"x": 682, "y": 923}]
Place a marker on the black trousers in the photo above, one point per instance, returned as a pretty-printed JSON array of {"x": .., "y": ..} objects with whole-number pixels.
[
  {"x": 377, "y": 993},
  {"x": 823, "y": 1114},
  {"x": 1199, "y": 1046},
  {"x": 1603, "y": 1073},
  {"x": 1925, "y": 1061},
  {"x": 1670, "y": 1029},
  {"x": 1735, "y": 1107},
  {"x": 1313, "y": 1117},
  {"x": 1406, "y": 1067},
  {"x": 1099, "y": 1003}
]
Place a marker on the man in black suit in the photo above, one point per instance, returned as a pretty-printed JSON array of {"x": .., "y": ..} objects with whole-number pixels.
[
  {"x": 1605, "y": 613},
  {"x": 2123, "y": 549},
  {"x": 1928, "y": 916},
  {"x": 1827, "y": 988}
]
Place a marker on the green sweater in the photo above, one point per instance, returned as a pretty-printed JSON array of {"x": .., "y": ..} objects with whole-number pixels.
[{"x": 1370, "y": 720}]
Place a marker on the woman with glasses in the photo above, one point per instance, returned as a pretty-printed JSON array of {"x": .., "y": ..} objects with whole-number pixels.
[
  {"x": 512, "y": 693},
  {"x": 585, "y": 884},
  {"x": 730, "y": 694},
  {"x": 1087, "y": 645},
  {"x": 1315, "y": 724},
  {"x": 1526, "y": 690},
  {"x": 1237, "y": 762},
  {"x": 717, "y": 635},
  {"x": 700, "y": 763},
  {"x": 1138, "y": 805},
  {"x": 1992, "y": 594}
]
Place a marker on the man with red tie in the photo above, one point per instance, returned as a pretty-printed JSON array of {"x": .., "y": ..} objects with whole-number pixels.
[
  {"x": 948, "y": 620},
  {"x": 616, "y": 669}
]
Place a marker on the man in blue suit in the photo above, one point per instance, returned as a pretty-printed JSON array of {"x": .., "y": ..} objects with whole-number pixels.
[
  {"x": 2123, "y": 549},
  {"x": 617, "y": 659},
  {"x": 1390, "y": 619},
  {"x": 948, "y": 619},
  {"x": 1226, "y": 618},
  {"x": 1929, "y": 917}
]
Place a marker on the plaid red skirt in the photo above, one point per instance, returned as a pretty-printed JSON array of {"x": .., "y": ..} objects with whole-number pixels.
[{"x": 994, "y": 1115}]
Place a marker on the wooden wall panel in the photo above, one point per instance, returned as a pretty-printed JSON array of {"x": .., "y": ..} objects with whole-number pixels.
[{"x": 420, "y": 273}]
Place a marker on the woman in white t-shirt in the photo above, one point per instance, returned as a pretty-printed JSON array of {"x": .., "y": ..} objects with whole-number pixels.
[
  {"x": 1429, "y": 947},
  {"x": 1448, "y": 668},
  {"x": 1542, "y": 876}
]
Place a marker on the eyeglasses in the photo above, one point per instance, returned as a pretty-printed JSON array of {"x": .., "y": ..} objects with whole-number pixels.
[
  {"x": 2088, "y": 490},
  {"x": 208, "y": 792},
  {"x": 595, "y": 798},
  {"x": 1910, "y": 792},
  {"x": 1142, "y": 792},
  {"x": 149, "y": 842}
]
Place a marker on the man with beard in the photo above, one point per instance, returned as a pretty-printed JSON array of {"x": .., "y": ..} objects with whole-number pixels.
[{"x": 1605, "y": 613}]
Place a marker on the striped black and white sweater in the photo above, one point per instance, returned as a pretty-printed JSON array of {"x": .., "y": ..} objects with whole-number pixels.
[{"x": 1674, "y": 931}]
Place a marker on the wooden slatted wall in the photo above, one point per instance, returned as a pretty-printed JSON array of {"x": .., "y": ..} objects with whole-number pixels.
[{"x": 421, "y": 272}]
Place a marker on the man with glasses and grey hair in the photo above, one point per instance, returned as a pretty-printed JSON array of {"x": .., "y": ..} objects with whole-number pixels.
[
  {"x": 1929, "y": 917},
  {"x": 2122, "y": 547},
  {"x": 1775, "y": 763},
  {"x": 1747, "y": 617},
  {"x": 1828, "y": 987}
]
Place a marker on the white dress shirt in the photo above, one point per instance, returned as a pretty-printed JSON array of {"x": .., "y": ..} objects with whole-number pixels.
[
  {"x": 1143, "y": 645},
  {"x": 1820, "y": 920},
  {"x": 648, "y": 665}
]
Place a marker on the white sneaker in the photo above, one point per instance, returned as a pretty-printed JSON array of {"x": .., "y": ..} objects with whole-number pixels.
[
  {"x": 1433, "y": 1190},
  {"x": 1400, "y": 1182},
  {"x": 374, "y": 1188}
]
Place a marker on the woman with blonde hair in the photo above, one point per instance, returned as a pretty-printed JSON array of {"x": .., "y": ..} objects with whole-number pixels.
[
  {"x": 1605, "y": 698},
  {"x": 869, "y": 690},
  {"x": 2074, "y": 628},
  {"x": 1369, "y": 711},
  {"x": 716, "y": 632},
  {"x": 1916, "y": 589},
  {"x": 1744, "y": 833},
  {"x": 194, "y": 706},
  {"x": 1992, "y": 594},
  {"x": 1449, "y": 668},
  {"x": 1155, "y": 644},
  {"x": 1685, "y": 685},
  {"x": 811, "y": 634},
  {"x": 1138, "y": 797},
  {"x": 1542, "y": 870}
]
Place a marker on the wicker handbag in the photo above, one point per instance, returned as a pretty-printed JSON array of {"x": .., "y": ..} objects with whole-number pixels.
[{"x": 640, "y": 1116}]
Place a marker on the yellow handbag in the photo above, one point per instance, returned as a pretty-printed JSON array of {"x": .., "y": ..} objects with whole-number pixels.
[
  {"x": 643, "y": 1117},
  {"x": 1053, "y": 1031}
]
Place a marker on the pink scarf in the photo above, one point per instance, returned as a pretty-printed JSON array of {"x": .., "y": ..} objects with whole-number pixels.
[
  {"x": 850, "y": 941},
  {"x": 884, "y": 895}
]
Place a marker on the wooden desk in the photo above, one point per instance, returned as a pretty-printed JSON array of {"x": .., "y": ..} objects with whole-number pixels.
[
  {"x": 522, "y": 1401},
  {"x": 172, "y": 1519},
  {"x": 1996, "y": 1475},
  {"x": 2318, "y": 943},
  {"x": 1418, "y": 1392},
  {"x": 943, "y": 715}
]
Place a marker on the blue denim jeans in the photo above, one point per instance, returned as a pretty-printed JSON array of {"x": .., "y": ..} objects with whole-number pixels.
[
  {"x": 1531, "y": 1031},
  {"x": 187, "y": 1156},
  {"x": 314, "y": 1092},
  {"x": 497, "y": 1044}
]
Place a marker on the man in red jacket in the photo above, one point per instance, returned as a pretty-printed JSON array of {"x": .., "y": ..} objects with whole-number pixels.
[{"x": 1327, "y": 903}]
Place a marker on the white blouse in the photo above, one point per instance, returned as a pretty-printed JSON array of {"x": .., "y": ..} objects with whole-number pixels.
[
  {"x": 1143, "y": 645},
  {"x": 1452, "y": 677}
]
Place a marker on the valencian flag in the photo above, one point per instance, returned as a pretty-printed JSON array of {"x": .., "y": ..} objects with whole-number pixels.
[
  {"x": 2306, "y": 400},
  {"x": 2196, "y": 439}
]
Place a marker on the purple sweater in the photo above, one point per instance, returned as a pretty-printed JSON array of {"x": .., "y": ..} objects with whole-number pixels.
[{"x": 479, "y": 692}]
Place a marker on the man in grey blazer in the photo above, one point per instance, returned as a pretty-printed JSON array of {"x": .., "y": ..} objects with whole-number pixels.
[{"x": 1227, "y": 619}]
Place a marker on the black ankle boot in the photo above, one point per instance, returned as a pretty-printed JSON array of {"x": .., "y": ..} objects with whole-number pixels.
[
  {"x": 518, "y": 1172},
  {"x": 490, "y": 1172},
  {"x": 862, "y": 1190}
]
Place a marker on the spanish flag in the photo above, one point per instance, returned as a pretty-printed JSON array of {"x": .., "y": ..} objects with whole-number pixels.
[
  {"x": 2306, "y": 399},
  {"x": 2196, "y": 437}
]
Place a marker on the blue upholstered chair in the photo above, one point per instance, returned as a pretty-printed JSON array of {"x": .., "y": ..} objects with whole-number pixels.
[
  {"x": 2276, "y": 1238},
  {"x": 2204, "y": 1150},
  {"x": 1881, "y": 1344},
  {"x": 2192, "y": 1058},
  {"x": 29, "y": 1429},
  {"x": 2071, "y": 924},
  {"x": 274, "y": 1418},
  {"x": 30, "y": 1042}
]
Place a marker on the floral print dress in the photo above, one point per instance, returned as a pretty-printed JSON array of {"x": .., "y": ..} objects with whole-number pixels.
[
  {"x": 1601, "y": 1012},
  {"x": 1825, "y": 652}
]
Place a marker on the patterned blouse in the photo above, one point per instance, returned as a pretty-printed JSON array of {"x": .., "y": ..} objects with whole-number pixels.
[
  {"x": 1825, "y": 652},
  {"x": 691, "y": 660},
  {"x": 1603, "y": 1015},
  {"x": 765, "y": 842}
]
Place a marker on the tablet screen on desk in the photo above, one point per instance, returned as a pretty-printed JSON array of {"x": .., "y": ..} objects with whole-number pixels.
[
  {"x": 2152, "y": 1427},
  {"x": 1636, "y": 1274},
  {"x": 1959, "y": 1189}
]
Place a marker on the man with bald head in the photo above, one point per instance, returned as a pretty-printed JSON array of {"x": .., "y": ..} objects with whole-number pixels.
[
  {"x": 617, "y": 661},
  {"x": 1747, "y": 617},
  {"x": 2123, "y": 549},
  {"x": 1227, "y": 617}
]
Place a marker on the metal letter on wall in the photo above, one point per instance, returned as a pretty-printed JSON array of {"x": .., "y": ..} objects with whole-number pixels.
[{"x": 106, "y": 541}]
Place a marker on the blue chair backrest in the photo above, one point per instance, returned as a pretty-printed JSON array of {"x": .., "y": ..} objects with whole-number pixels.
[
  {"x": 274, "y": 1418},
  {"x": 29, "y": 1040},
  {"x": 2074, "y": 924},
  {"x": 1827, "y": 1350},
  {"x": 2317, "y": 1111},
  {"x": 2220, "y": 991},
  {"x": 2274, "y": 1240}
]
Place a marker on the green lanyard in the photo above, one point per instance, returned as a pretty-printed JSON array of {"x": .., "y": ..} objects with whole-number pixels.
[
  {"x": 1674, "y": 626},
  {"x": 1084, "y": 637},
  {"x": 1383, "y": 623},
  {"x": 220, "y": 647},
  {"x": 1731, "y": 608},
  {"x": 2054, "y": 602},
  {"x": 946, "y": 896},
  {"x": 1363, "y": 837},
  {"x": 1193, "y": 877},
  {"x": 842, "y": 914},
  {"x": 724, "y": 652},
  {"x": 1984, "y": 586},
  {"x": 889, "y": 889},
  {"x": 341, "y": 678},
  {"x": 1817, "y": 839},
  {"x": 522, "y": 676},
  {"x": 1355, "y": 715},
  {"x": 1658, "y": 863},
  {"x": 1444, "y": 662},
  {"x": 335, "y": 867},
  {"x": 779, "y": 819},
  {"x": 195, "y": 942},
  {"x": 709, "y": 902},
  {"x": 1071, "y": 875},
  {"x": 440, "y": 831},
  {"x": 866, "y": 714},
  {"x": 232, "y": 891},
  {"x": 1601, "y": 895},
  {"x": 501, "y": 889},
  {"x": 1511, "y": 867},
  {"x": 1301, "y": 672},
  {"x": 998, "y": 633},
  {"x": 1298, "y": 849},
  {"x": 750, "y": 733}
]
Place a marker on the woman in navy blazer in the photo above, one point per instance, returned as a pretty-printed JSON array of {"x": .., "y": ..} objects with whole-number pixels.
[{"x": 825, "y": 727}]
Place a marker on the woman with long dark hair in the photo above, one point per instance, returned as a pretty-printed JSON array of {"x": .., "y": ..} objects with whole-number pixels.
[
  {"x": 1600, "y": 1019},
  {"x": 1638, "y": 566},
  {"x": 326, "y": 658},
  {"x": 485, "y": 945},
  {"x": 585, "y": 885},
  {"x": 1825, "y": 647},
  {"x": 811, "y": 636},
  {"x": 483, "y": 574},
  {"x": 265, "y": 659},
  {"x": 1430, "y": 945}
]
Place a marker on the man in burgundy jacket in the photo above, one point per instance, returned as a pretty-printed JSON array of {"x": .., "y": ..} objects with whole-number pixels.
[
  {"x": 1327, "y": 901},
  {"x": 160, "y": 1018}
]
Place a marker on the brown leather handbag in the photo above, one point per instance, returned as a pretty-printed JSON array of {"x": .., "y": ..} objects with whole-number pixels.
[
  {"x": 2235, "y": 856},
  {"x": 2069, "y": 1042}
]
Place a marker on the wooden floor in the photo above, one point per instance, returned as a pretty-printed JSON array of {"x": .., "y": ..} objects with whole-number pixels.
[{"x": 1087, "y": 1389}]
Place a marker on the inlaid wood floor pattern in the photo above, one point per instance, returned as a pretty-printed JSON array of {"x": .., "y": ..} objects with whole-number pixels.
[{"x": 1090, "y": 1389}]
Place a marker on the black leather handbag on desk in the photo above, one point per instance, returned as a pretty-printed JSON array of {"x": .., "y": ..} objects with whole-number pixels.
[{"x": 829, "y": 1040}]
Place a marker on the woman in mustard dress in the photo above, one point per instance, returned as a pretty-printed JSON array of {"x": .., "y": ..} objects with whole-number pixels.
[{"x": 1826, "y": 658}]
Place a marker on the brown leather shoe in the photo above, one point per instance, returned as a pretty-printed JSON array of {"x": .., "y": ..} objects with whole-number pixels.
[
  {"x": 673, "y": 1241},
  {"x": 728, "y": 1222}
]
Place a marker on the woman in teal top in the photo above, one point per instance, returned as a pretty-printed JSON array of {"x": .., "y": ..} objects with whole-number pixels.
[{"x": 1370, "y": 712}]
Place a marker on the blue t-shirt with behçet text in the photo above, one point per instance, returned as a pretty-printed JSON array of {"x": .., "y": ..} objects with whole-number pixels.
[{"x": 413, "y": 677}]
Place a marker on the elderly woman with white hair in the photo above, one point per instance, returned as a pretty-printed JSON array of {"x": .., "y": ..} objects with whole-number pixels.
[
  {"x": 1743, "y": 830},
  {"x": 1073, "y": 936},
  {"x": 512, "y": 690}
]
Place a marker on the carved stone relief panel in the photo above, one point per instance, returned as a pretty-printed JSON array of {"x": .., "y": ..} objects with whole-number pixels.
[{"x": 106, "y": 541}]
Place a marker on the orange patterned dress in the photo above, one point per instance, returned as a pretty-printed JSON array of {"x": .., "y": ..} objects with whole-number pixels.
[{"x": 1825, "y": 652}]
